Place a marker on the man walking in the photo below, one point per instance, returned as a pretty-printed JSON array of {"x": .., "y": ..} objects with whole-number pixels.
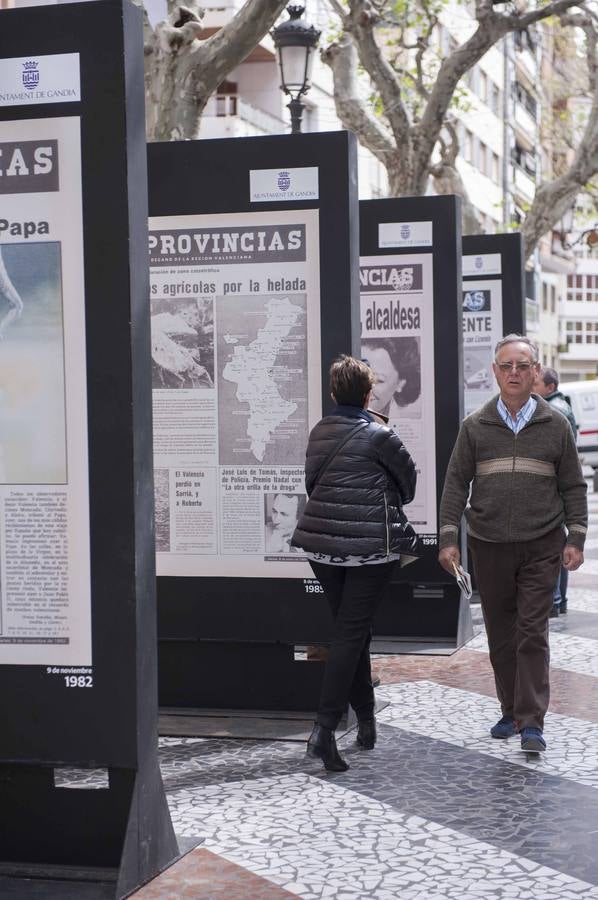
[
  {"x": 547, "y": 386},
  {"x": 519, "y": 457}
]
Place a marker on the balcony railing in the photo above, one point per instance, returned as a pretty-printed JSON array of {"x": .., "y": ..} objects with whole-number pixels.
[
  {"x": 526, "y": 59},
  {"x": 524, "y": 183},
  {"x": 525, "y": 121},
  {"x": 229, "y": 114},
  {"x": 581, "y": 351},
  {"x": 532, "y": 315}
]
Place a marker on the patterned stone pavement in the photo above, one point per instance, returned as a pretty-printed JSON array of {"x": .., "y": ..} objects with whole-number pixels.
[{"x": 437, "y": 810}]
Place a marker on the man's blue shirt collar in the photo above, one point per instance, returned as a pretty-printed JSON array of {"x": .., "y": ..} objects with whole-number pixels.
[{"x": 521, "y": 419}]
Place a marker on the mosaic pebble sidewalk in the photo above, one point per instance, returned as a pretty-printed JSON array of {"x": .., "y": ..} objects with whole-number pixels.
[{"x": 437, "y": 810}]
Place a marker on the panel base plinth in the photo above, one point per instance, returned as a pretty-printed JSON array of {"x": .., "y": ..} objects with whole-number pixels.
[
  {"x": 430, "y": 619},
  {"x": 234, "y": 675},
  {"x": 257, "y": 725},
  {"x": 107, "y": 841},
  {"x": 70, "y": 882},
  {"x": 415, "y": 646}
]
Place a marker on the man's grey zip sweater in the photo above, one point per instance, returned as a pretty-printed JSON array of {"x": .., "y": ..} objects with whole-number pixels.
[{"x": 522, "y": 486}]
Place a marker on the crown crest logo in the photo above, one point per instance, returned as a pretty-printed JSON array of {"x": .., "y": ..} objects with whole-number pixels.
[
  {"x": 30, "y": 74},
  {"x": 284, "y": 181}
]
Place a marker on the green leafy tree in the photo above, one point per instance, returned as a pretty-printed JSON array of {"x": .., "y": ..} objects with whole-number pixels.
[{"x": 409, "y": 122}]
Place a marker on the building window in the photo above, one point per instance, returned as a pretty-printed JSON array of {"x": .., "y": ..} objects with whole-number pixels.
[
  {"x": 481, "y": 161},
  {"x": 468, "y": 146},
  {"x": 525, "y": 40},
  {"x": 526, "y": 99},
  {"x": 552, "y": 298},
  {"x": 483, "y": 87},
  {"x": 524, "y": 159},
  {"x": 494, "y": 100},
  {"x": 581, "y": 332},
  {"x": 544, "y": 296},
  {"x": 495, "y": 168}
]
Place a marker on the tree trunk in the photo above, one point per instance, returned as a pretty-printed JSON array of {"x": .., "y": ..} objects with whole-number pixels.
[
  {"x": 182, "y": 71},
  {"x": 447, "y": 180}
]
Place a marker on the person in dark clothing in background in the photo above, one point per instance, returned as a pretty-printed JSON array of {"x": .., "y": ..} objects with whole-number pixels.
[
  {"x": 358, "y": 477},
  {"x": 547, "y": 386}
]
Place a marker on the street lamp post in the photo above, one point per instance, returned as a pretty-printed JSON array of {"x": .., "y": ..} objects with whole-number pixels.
[{"x": 295, "y": 42}]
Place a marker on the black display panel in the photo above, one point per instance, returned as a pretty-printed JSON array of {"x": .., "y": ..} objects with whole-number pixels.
[
  {"x": 203, "y": 199},
  {"x": 423, "y": 234},
  {"x": 511, "y": 274},
  {"x": 78, "y": 673}
]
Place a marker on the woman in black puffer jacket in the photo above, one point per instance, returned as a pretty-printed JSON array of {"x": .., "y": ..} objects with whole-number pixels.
[{"x": 358, "y": 476}]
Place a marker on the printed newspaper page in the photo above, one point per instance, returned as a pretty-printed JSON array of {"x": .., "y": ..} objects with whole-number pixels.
[
  {"x": 397, "y": 339},
  {"x": 45, "y": 598},
  {"x": 235, "y": 313},
  {"x": 482, "y": 328}
]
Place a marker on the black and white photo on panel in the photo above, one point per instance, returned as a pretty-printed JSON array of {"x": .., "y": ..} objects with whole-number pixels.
[
  {"x": 396, "y": 362},
  {"x": 281, "y": 514},
  {"x": 182, "y": 342},
  {"x": 32, "y": 379},
  {"x": 477, "y": 368}
]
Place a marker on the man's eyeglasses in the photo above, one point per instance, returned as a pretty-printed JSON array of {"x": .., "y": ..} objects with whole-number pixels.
[{"x": 520, "y": 366}]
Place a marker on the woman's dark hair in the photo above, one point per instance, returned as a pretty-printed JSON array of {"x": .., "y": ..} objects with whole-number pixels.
[
  {"x": 405, "y": 357},
  {"x": 350, "y": 381}
]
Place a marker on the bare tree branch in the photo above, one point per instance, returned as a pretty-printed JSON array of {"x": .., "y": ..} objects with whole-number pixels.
[
  {"x": 519, "y": 22},
  {"x": 553, "y": 198},
  {"x": 350, "y": 108},
  {"x": 362, "y": 21},
  {"x": 185, "y": 71},
  {"x": 415, "y": 141}
]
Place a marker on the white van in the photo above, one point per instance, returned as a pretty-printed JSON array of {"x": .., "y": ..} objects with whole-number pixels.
[{"x": 584, "y": 401}]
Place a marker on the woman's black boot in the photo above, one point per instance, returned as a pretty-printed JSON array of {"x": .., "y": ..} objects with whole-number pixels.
[
  {"x": 366, "y": 733},
  {"x": 322, "y": 745}
]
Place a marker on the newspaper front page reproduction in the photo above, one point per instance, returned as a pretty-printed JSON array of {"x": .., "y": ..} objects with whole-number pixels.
[
  {"x": 482, "y": 329},
  {"x": 397, "y": 340},
  {"x": 45, "y": 595},
  {"x": 235, "y": 313}
]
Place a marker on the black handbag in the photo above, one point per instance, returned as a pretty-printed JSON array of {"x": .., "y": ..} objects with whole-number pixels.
[{"x": 410, "y": 542}]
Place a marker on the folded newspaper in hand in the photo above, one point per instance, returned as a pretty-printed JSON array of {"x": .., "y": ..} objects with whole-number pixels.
[{"x": 463, "y": 580}]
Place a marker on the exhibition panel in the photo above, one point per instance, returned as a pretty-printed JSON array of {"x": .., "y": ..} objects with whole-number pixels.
[
  {"x": 253, "y": 252},
  {"x": 77, "y": 603},
  {"x": 410, "y": 272},
  {"x": 493, "y": 305}
]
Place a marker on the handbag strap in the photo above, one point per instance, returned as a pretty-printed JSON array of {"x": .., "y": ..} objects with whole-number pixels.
[{"x": 336, "y": 449}]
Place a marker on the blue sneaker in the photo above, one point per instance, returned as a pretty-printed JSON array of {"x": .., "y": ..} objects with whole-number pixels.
[
  {"x": 504, "y": 728},
  {"x": 532, "y": 740}
]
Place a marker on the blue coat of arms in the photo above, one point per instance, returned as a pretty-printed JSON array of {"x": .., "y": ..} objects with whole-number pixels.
[{"x": 30, "y": 74}]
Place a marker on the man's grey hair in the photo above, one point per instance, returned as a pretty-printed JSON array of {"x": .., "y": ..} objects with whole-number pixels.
[
  {"x": 550, "y": 376},
  {"x": 518, "y": 339}
]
